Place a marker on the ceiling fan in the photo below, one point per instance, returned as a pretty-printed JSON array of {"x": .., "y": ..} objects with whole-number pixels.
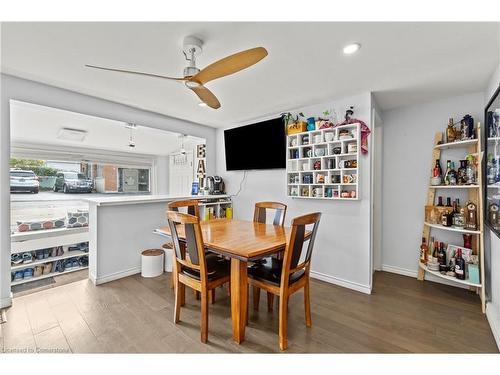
[{"x": 194, "y": 78}]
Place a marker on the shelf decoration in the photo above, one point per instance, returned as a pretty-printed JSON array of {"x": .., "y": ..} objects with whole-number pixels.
[{"x": 459, "y": 265}]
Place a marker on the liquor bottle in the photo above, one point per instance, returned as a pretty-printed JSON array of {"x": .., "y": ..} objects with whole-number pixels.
[
  {"x": 423, "y": 251},
  {"x": 448, "y": 202},
  {"x": 447, "y": 219},
  {"x": 471, "y": 219},
  {"x": 459, "y": 265},
  {"x": 450, "y": 131},
  {"x": 462, "y": 174},
  {"x": 470, "y": 170},
  {"x": 442, "y": 258},
  {"x": 440, "y": 201},
  {"x": 453, "y": 174},
  {"x": 460, "y": 218},
  {"x": 447, "y": 175},
  {"x": 435, "y": 251},
  {"x": 431, "y": 250},
  {"x": 454, "y": 213},
  {"x": 437, "y": 171}
]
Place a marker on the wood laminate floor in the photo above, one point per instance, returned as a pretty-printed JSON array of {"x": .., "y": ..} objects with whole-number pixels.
[{"x": 135, "y": 315}]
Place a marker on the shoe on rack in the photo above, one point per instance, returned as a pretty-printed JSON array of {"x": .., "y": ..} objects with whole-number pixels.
[
  {"x": 28, "y": 273},
  {"x": 84, "y": 261},
  {"x": 16, "y": 258},
  {"x": 18, "y": 275},
  {"x": 46, "y": 253},
  {"x": 68, "y": 264},
  {"x": 53, "y": 252},
  {"x": 75, "y": 264},
  {"x": 47, "y": 268},
  {"x": 60, "y": 251},
  {"x": 39, "y": 254},
  {"x": 27, "y": 258},
  {"x": 38, "y": 271}
]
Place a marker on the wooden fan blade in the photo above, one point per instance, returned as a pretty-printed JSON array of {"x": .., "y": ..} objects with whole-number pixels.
[
  {"x": 230, "y": 64},
  {"x": 134, "y": 72},
  {"x": 206, "y": 96}
]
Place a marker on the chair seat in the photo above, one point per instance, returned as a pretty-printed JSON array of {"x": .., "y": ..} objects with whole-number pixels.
[
  {"x": 217, "y": 267},
  {"x": 270, "y": 271}
]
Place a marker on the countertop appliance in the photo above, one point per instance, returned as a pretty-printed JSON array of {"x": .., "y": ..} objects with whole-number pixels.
[{"x": 218, "y": 185}]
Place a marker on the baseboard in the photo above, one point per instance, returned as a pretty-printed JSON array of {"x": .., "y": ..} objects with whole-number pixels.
[
  {"x": 5, "y": 302},
  {"x": 114, "y": 276},
  {"x": 341, "y": 282},
  {"x": 399, "y": 270},
  {"x": 494, "y": 321}
]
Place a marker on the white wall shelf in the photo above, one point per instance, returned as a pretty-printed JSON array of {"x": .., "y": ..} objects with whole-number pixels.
[
  {"x": 337, "y": 180},
  {"x": 444, "y": 146},
  {"x": 449, "y": 278},
  {"x": 452, "y": 229},
  {"x": 454, "y": 187}
]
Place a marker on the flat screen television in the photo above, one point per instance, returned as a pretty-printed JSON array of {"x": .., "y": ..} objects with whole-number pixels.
[{"x": 257, "y": 146}]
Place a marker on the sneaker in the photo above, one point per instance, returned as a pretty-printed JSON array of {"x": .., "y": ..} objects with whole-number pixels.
[
  {"x": 16, "y": 258},
  {"x": 18, "y": 275},
  {"x": 75, "y": 264},
  {"x": 39, "y": 254},
  {"x": 28, "y": 273},
  {"x": 27, "y": 258},
  {"x": 60, "y": 251},
  {"x": 84, "y": 261}
]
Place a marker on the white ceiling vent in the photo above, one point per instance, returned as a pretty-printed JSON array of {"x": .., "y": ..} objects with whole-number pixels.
[{"x": 69, "y": 134}]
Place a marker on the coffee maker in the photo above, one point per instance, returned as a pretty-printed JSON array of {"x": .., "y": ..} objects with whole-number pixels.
[{"x": 218, "y": 185}]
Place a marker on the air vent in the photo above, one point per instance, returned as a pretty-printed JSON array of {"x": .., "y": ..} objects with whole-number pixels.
[{"x": 69, "y": 134}]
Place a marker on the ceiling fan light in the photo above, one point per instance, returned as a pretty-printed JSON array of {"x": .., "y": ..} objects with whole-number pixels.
[{"x": 351, "y": 48}]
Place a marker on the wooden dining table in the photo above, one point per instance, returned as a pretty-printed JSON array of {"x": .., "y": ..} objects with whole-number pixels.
[{"x": 241, "y": 241}]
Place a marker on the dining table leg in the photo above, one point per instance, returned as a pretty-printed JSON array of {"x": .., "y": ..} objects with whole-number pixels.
[{"x": 239, "y": 298}]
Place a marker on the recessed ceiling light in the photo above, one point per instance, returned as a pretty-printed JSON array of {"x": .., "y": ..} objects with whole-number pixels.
[
  {"x": 202, "y": 104},
  {"x": 351, "y": 48}
]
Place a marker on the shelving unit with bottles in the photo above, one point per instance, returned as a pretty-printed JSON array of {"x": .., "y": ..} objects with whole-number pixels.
[
  {"x": 322, "y": 164},
  {"x": 474, "y": 194}
]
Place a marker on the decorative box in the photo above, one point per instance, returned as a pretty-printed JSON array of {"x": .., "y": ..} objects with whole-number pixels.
[
  {"x": 473, "y": 273},
  {"x": 296, "y": 127}
]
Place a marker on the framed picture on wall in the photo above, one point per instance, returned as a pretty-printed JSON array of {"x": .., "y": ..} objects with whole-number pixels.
[{"x": 491, "y": 173}]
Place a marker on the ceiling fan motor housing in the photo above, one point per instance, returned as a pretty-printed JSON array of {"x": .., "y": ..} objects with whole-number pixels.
[{"x": 192, "y": 47}]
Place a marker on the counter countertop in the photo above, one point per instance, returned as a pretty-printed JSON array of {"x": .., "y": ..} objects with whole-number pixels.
[{"x": 130, "y": 199}]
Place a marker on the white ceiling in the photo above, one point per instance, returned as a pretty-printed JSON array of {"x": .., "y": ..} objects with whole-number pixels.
[
  {"x": 35, "y": 124},
  {"x": 403, "y": 63}
]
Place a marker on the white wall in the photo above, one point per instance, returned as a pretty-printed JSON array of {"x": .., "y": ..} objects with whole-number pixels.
[
  {"x": 493, "y": 250},
  {"x": 342, "y": 251},
  {"x": 37, "y": 93},
  {"x": 408, "y": 141},
  {"x": 161, "y": 165}
]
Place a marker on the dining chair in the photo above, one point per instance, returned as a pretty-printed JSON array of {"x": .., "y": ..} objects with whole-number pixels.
[
  {"x": 285, "y": 276},
  {"x": 260, "y": 216},
  {"x": 199, "y": 272},
  {"x": 192, "y": 208}
]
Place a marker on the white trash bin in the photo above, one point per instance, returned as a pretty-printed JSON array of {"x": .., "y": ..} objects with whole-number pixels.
[{"x": 152, "y": 262}]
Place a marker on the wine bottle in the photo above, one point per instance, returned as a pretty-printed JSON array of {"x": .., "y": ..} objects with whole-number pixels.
[
  {"x": 442, "y": 258},
  {"x": 440, "y": 201},
  {"x": 448, "y": 202},
  {"x": 459, "y": 265}
]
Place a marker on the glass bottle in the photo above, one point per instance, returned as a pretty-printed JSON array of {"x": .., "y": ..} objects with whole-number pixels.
[
  {"x": 448, "y": 202},
  {"x": 467, "y": 240},
  {"x": 460, "y": 218},
  {"x": 470, "y": 170},
  {"x": 462, "y": 174},
  {"x": 447, "y": 175},
  {"x": 459, "y": 265},
  {"x": 423, "y": 251},
  {"x": 437, "y": 171},
  {"x": 442, "y": 258},
  {"x": 453, "y": 174},
  {"x": 440, "y": 201},
  {"x": 471, "y": 219},
  {"x": 450, "y": 131}
]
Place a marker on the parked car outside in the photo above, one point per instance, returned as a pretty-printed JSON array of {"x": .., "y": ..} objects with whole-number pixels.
[
  {"x": 23, "y": 181},
  {"x": 70, "y": 182}
]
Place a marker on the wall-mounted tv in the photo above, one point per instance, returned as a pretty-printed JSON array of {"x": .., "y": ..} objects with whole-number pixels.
[{"x": 257, "y": 146}]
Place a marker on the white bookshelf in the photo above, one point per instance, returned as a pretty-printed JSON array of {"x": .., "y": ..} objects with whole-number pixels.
[{"x": 301, "y": 167}]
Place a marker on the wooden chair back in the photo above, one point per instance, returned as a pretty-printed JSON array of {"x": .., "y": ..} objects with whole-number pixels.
[
  {"x": 193, "y": 244},
  {"x": 295, "y": 246},
  {"x": 260, "y": 212},
  {"x": 190, "y": 205}
]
